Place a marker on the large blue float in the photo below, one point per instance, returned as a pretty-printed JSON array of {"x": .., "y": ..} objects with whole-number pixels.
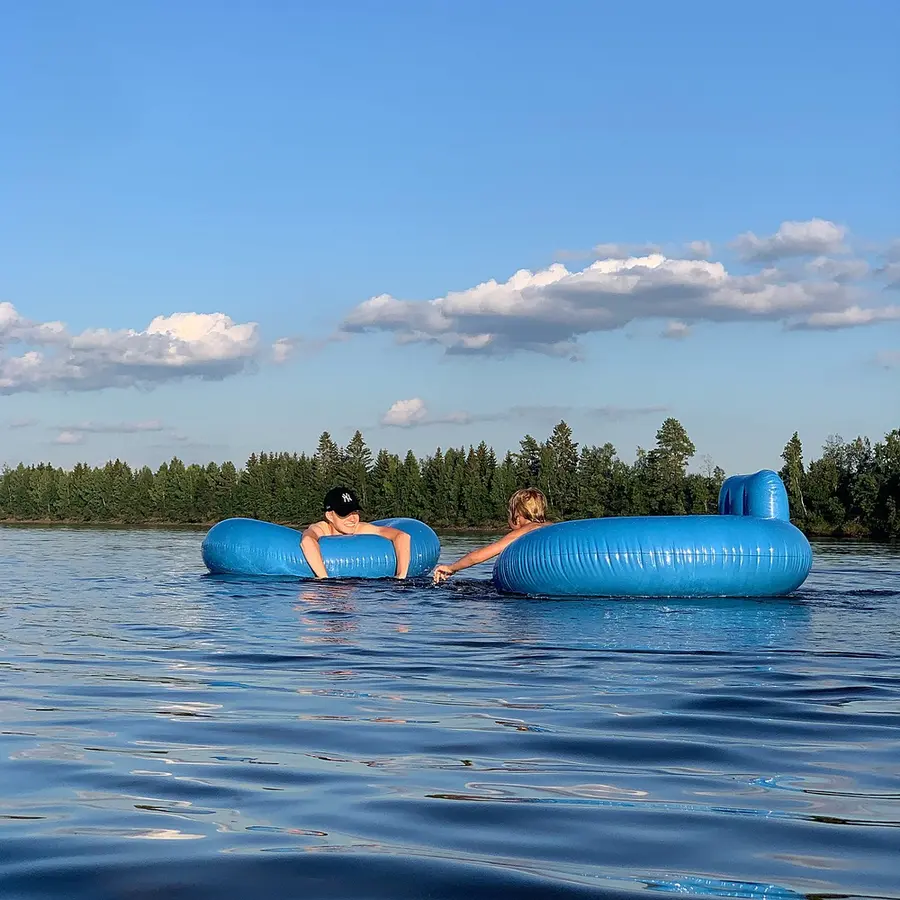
[
  {"x": 252, "y": 547},
  {"x": 750, "y": 549}
]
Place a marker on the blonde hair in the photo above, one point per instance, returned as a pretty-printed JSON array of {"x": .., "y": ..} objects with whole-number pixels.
[{"x": 530, "y": 504}]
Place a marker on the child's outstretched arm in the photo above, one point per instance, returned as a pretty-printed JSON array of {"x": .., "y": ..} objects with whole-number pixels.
[
  {"x": 482, "y": 554},
  {"x": 309, "y": 544}
]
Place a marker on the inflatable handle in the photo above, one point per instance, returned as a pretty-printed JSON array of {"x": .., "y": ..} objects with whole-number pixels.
[{"x": 761, "y": 496}]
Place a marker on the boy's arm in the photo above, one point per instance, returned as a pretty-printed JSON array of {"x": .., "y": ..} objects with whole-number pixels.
[
  {"x": 473, "y": 558},
  {"x": 309, "y": 544},
  {"x": 401, "y": 541}
]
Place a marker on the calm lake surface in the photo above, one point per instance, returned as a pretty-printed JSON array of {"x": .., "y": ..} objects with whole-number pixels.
[{"x": 167, "y": 734}]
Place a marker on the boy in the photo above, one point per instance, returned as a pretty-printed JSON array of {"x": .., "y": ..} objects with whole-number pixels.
[
  {"x": 527, "y": 511},
  {"x": 342, "y": 518}
]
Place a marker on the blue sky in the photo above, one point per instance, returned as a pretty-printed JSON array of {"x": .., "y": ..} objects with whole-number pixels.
[{"x": 282, "y": 163}]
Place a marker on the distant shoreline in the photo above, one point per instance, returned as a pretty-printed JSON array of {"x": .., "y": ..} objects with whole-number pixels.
[
  {"x": 462, "y": 531},
  {"x": 198, "y": 526}
]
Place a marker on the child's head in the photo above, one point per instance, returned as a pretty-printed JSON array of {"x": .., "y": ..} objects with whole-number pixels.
[
  {"x": 527, "y": 505},
  {"x": 342, "y": 510}
]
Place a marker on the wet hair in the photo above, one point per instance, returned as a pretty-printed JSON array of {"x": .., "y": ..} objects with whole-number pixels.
[{"x": 530, "y": 504}]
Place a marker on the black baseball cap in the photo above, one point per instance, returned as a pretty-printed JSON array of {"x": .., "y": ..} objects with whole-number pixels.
[{"x": 342, "y": 501}]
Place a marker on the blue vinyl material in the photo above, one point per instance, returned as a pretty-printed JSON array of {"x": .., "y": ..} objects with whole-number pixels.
[
  {"x": 750, "y": 549},
  {"x": 252, "y": 547},
  {"x": 761, "y": 495}
]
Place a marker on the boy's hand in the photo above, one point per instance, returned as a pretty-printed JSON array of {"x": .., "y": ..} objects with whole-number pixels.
[{"x": 441, "y": 573}]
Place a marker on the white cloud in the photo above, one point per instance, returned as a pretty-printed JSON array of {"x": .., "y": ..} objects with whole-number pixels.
[
  {"x": 283, "y": 349},
  {"x": 676, "y": 331},
  {"x": 891, "y": 275},
  {"x": 69, "y": 437},
  {"x": 852, "y": 317},
  {"x": 413, "y": 413},
  {"x": 404, "y": 413},
  {"x": 21, "y": 423},
  {"x": 287, "y": 348},
  {"x": 816, "y": 236},
  {"x": 621, "y": 251},
  {"x": 186, "y": 344},
  {"x": 838, "y": 269},
  {"x": 549, "y": 310},
  {"x": 699, "y": 249}
]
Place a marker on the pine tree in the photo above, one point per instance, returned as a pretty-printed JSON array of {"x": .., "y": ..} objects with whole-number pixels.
[
  {"x": 327, "y": 462},
  {"x": 792, "y": 474},
  {"x": 385, "y": 483},
  {"x": 528, "y": 462},
  {"x": 561, "y": 468},
  {"x": 356, "y": 467}
]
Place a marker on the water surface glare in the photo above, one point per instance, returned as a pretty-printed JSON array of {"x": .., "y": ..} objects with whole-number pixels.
[{"x": 165, "y": 733}]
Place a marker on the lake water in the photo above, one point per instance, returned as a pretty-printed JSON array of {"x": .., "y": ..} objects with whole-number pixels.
[{"x": 166, "y": 734}]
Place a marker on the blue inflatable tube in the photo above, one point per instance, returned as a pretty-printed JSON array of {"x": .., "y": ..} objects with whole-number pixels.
[
  {"x": 252, "y": 547},
  {"x": 750, "y": 549}
]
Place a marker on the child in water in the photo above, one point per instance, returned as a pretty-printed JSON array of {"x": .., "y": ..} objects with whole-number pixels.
[
  {"x": 527, "y": 511},
  {"x": 342, "y": 518}
]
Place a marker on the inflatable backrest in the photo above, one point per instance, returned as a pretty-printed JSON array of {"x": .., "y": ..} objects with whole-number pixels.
[{"x": 761, "y": 495}]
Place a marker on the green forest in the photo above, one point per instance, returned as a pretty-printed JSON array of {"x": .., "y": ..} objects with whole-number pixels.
[{"x": 850, "y": 489}]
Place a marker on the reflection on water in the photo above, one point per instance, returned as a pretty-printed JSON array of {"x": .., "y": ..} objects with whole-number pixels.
[
  {"x": 655, "y": 625},
  {"x": 168, "y": 733}
]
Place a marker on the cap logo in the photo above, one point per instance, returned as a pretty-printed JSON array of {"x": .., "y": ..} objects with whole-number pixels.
[{"x": 346, "y": 498}]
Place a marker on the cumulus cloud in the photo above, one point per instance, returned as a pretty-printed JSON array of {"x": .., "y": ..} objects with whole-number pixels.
[
  {"x": 838, "y": 269},
  {"x": 78, "y": 433},
  {"x": 699, "y": 249},
  {"x": 852, "y": 317},
  {"x": 891, "y": 275},
  {"x": 549, "y": 310},
  {"x": 283, "y": 349},
  {"x": 676, "y": 331},
  {"x": 609, "y": 250},
  {"x": 620, "y": 251},
  {"x": 185, "y": 344},
  {"x": 69, "y": 437},
  {"x": 287, "y": 348},
  {"x": 414, "y": 413},
  {"x": 404, "y": 413},
  {"x": 816, "y": 236}
]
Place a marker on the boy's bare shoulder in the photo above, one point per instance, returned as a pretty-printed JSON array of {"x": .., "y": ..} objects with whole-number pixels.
[
  {"x": 527, "y": 529},
  {"x": 381, "y": 530},
  {"x": 369, "y": 528},
  {"x": 321, "y": 529}
]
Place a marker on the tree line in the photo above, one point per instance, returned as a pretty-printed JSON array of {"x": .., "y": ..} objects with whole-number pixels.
[{"x": 852, "y": 489}]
